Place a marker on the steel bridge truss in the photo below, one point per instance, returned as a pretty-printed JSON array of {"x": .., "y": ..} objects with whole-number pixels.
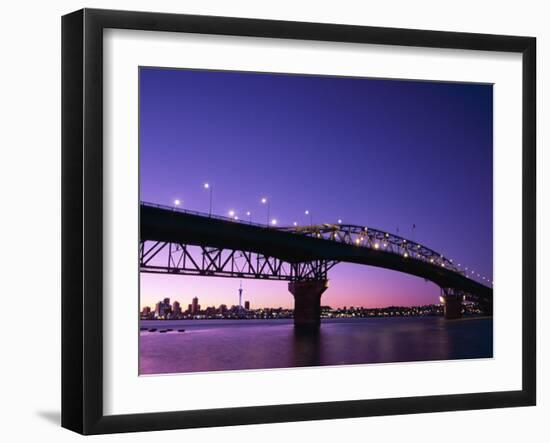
[
  {"x": 377, "y": 240},
  {"x": 181, "y": 259}
]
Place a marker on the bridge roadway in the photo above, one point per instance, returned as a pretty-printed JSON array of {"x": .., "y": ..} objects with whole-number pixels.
[{"x": 172, "y": 226}]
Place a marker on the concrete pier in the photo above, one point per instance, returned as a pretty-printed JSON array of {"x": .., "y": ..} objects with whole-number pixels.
[
  {"x": 452, "y": 306},
  {"x": 307, "y": 302}
]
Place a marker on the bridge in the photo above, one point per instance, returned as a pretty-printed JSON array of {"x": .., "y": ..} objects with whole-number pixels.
[{"x": 181, "y": 242}]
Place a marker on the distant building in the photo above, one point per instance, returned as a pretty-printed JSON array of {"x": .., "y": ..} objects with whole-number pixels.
[
  {"x": 146, "y": 312},
  {"x": 163, "y": 308},
  {"x": 176, "y": 310},
  {"x": 210, "y": 312},
  {"x": 195, "y": 307},
  {"x": 247, "y": 305}
]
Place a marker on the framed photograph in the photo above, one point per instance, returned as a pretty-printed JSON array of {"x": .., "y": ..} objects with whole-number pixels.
[{"x": 269, "y": 221}]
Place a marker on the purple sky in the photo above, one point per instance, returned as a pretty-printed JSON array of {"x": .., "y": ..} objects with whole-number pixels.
[{"x": 379, "y": 153}]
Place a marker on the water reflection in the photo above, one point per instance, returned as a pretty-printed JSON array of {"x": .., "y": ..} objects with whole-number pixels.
[
  {"x": 236, "y": 345},
  {"x": 306, "y": 347}
]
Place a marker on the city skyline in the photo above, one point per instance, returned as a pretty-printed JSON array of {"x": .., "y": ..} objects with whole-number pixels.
[
  {"x": 164, "y": 310},
  {"x": 193, "y": 308},
  {"x": 343, "y": 162}
]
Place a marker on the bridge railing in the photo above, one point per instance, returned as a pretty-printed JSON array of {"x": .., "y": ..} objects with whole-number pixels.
[{"x": 204, "y": 214}]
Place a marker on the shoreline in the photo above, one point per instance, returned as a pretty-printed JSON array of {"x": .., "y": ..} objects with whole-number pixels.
[{"x": 468, "y": 317}]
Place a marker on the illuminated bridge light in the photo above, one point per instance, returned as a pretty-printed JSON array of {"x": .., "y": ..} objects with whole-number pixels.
[
  {"x": 442, "y": 265},
  {"x": 177, "y": 202},
  {"x": 405, "y": 255},
  {"x": 431, "y": 260},
  {"x": 295, "y": 223},
  {"x": 384, "y": 245},
  {"x": 231, "y": 213},
  {"x": 339, "y": 221},
  {"x": 235, "y": 218},
  {"x": 376, "y": 246},
  {"x": 387, "y": 235},
  {"x": 357, "y": 241},
  {"x": 274, "y": 222}
]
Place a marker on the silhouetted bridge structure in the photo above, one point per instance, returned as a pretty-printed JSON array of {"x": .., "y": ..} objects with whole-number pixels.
[{"x": 181, "y": 242}]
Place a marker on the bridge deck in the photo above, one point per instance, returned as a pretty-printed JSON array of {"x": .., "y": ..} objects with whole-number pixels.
[{"x": 161, "y": 224}]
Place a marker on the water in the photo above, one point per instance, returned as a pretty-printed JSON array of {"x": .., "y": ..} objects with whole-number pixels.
[{"x": 221, "y": 345}]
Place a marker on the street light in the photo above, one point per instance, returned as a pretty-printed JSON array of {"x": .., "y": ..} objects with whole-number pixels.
[
  {"x": 231, "y": 213},
  {"x": 177, "y": 202},
  {"x": 208, "y": 187},
  {"x": 266, "y": 202},
  {"x": 249, "y": 215},
  {"x": 274, "y": 221},
  {"x": 310, "y": 216}
]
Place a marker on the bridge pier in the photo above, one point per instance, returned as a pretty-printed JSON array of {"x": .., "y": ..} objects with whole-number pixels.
[
  {"x": 452, "y": 307},
  {"x": 452, "y": 304},
  {"x": 307, "y": 302}
]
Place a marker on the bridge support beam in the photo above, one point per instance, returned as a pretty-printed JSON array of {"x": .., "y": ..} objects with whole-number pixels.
[
  {"x": 452, "y": 306},
  {"x": 307, "y": 302}
]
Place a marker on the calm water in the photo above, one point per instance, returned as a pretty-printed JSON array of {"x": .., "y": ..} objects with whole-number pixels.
[{"x": 221, "y": 345}]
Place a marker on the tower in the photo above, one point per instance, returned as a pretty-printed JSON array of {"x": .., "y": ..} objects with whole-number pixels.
[{"x": 241, "y": 295}]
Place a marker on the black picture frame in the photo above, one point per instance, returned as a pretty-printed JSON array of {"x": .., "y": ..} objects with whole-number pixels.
[{"x": 82, "y": 239}]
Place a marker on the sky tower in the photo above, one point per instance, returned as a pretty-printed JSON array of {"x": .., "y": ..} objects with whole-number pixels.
[{"x": 241, "y": 295}]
